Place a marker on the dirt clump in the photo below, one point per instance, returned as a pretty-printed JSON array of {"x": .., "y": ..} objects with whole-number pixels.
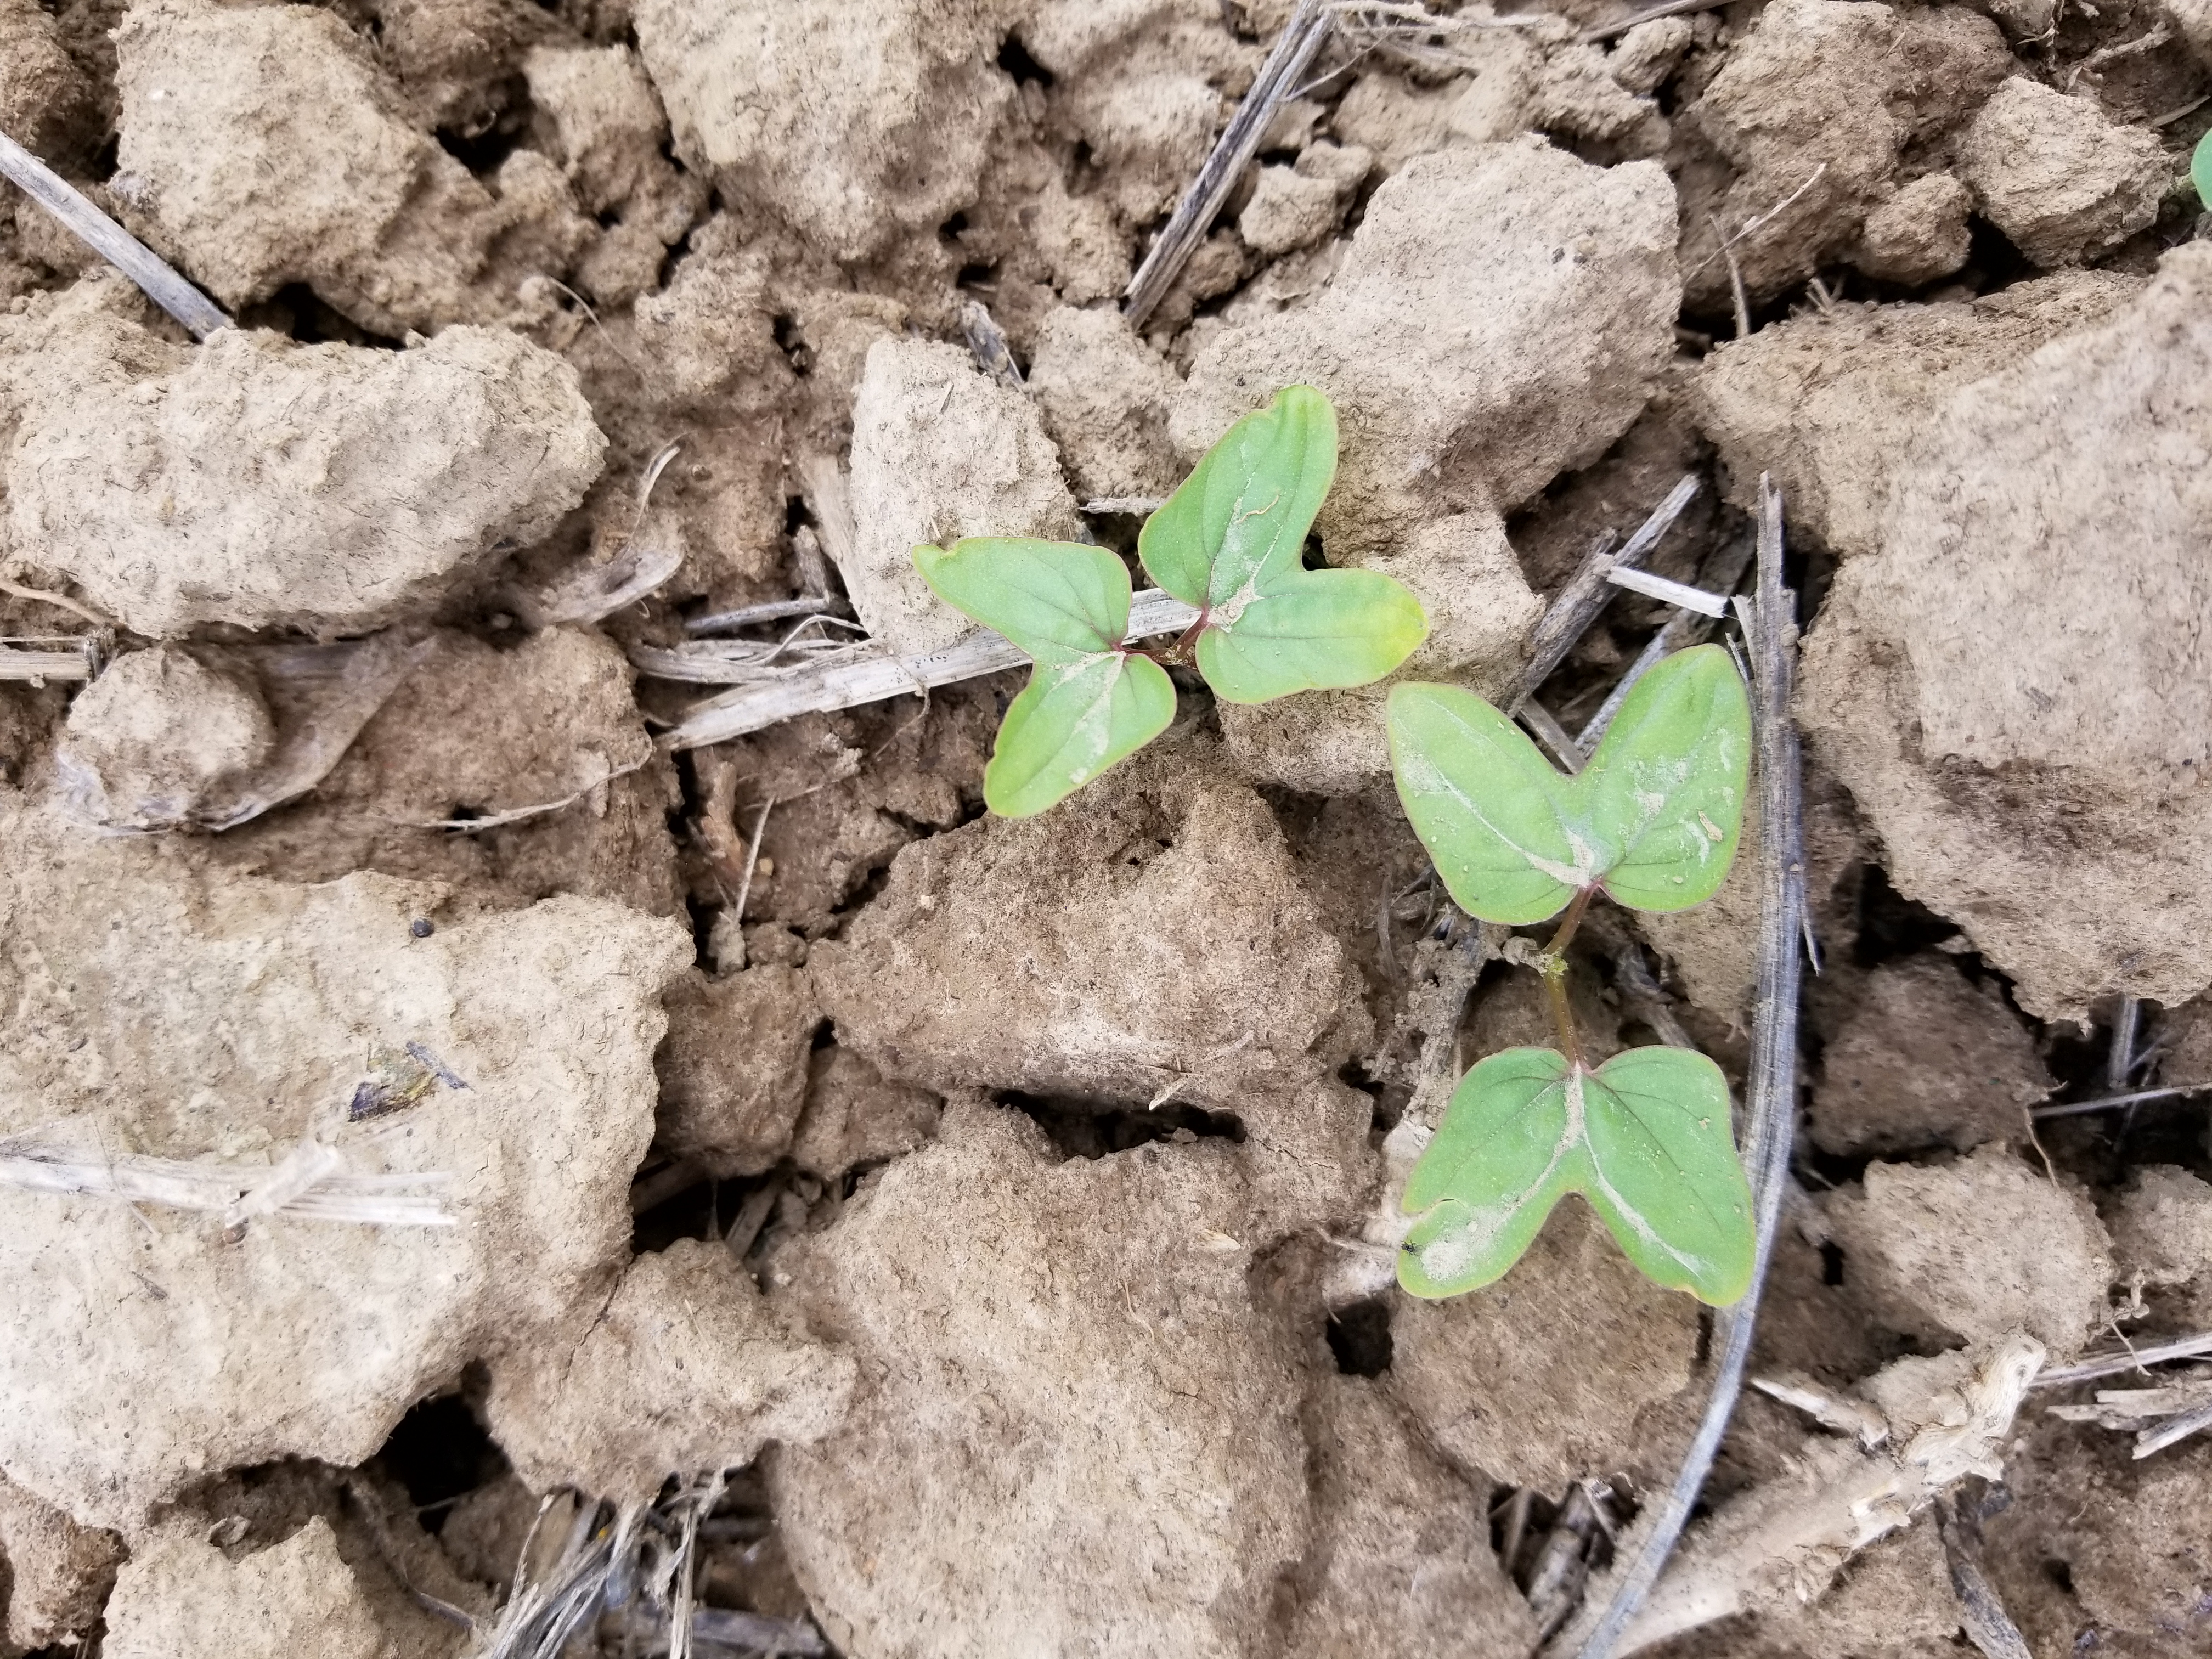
[
  {"x": 1105, "y": 395},
  {"x": 605, "y": 128},
  {"x": 46, "y": 102},
  {"x": 161, "y": 734},
  {"x": 540, "y": 742},
  {"x": 194, "y": 1014},
  {"x": 1540, "y": 1378},
  {"x": 1106, "y": 959},
  {"x": 57, "y": 1574},
  {"x": 1294, "y": 207},
  {"x": 1012, "y": 1351},
  {"x": 1977, "y": 1248},
  {"x": 2052, "y": 806},
  {"x": 1834, "y": 403},
  {"x": 685, "y": 1370},
  {"x": 1143, "y": 88},
  {"x": 939, "y": 451},
  {"x": 854, "y": 1115},
  {"x": 253, "y": 482},
  {"x": 2098, "y": 1551},
  {"x": 1918, "y": 234},
  {"x": 1926, "y": 1059},
  {"x": 263, "y": 145},
  {"x": 1816, "y": 112},
  {"x": 2163, "y": 1235},
  {"x": 857, "y": 129},
  {"x": 180, "y": 1597},
  {"x": 2058, "y": 177},
  {"x": 733, "y": 1068},
  {"x": 1464, "y": 359},
  {"x": 1400, "y": 1562}
]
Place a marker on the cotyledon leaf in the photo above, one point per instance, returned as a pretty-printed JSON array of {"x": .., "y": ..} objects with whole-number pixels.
[
  {"x": 1644, "y": 1138},
  {"x": 1089, "y": 703},
  {"x": 1231, "y": 540},
  {"x": 1056, "y": 600},
  {"x": 1071, "y": 722},
  {"x": 1654, "y": 817},
  {"x": 1326, "y": 628}
]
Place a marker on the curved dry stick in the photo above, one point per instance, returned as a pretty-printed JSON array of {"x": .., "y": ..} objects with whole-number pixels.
[
  {"x": 163, "y": 286},
  {"x": 1772, "y": 1085}
]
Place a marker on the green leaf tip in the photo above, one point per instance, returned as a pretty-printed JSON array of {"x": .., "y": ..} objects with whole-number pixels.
[
  {"x": 1090, "y": 703},
  {"x": 1644, "y": 1139},
  {"x": 2200, "y": 171},
  {"x": 1654, "y": 818},
  {"x": 1231, "y": 541}
]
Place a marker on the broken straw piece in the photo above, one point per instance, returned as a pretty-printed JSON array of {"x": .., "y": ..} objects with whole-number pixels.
[
  {"x": 1673, "y": 593},
  {"x": 163, "y": 286},
  {"x": 877, "y": 675}
]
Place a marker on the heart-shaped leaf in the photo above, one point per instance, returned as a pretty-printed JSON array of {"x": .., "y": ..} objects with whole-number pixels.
[
  {"x": 1231, "y": 541},
  {"x": 1655, "y": 816},
  {"x": 1089, "y": 703},
  {"x": 1644, "y": 1138}
]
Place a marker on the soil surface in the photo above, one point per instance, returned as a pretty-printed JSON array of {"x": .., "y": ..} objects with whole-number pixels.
[{"x": 877, "y": 1228}]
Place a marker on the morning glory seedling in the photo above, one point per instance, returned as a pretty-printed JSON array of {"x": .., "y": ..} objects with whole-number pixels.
[
  {"x": 1231, "y": 542},
  {"x": 1652, "y": 821}
]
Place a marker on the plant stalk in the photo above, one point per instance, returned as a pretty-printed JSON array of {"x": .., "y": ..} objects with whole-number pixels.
[
  {"x": 1772, "y": 1087},
  {"x": 1553, "y": 967}
]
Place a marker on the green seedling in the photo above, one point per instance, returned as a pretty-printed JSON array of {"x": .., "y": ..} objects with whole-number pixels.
[
  {"x": 1652, "y": 821},
  {"x": 1231, "y": 541},
  {"x": 2200, "y": 170}
]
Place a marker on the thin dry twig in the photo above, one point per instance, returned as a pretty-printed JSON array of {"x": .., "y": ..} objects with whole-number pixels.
[
  {"x": 1723, "y": 570},
  {"x": 752, "y": 615},
  {"x": 40, "y": 596},
  {"x": 1772, "y": 1084},
  {"x": 1587, "y": 592},
  {"x": 2134, "y": 1097},
  {"x": 2118, "y": 1364},
  {"x": 163, "y": 286},
  {"x": 1673, "y": 8},
  {"x": 311, "y": 1183},
  {"x": 1239, "y": 143},
  {"x": 521, "y": 814},
  {"x": 1414, "y": 34},
  {"x": 752, "y": 862},
  {"x": 873, "y": 674},
  {"x": 1544, "y": 726}
]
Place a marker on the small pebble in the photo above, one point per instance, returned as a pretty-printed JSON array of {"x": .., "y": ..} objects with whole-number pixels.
[{"x": 422, "y": 927}]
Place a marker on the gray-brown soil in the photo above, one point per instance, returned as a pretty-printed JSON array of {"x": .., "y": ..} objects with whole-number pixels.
[{"x": 973, "y": 1222}]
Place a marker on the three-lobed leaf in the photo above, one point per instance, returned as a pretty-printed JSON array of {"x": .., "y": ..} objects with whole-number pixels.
[
  {"x": 1089, "y": 703},
  {"x": 1645, "y": 1139},
  {"x": 1654, "y": 817},
  {"x": 1231, "y": 541}
]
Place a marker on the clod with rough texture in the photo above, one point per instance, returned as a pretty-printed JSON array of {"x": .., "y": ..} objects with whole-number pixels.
[
  {"x": 2056, "y": 176},
  {"x": 263, "y": 145},
  {"x": 181, "y": 1598},
  {"x": 253, "y": 482},
  {"x": 686, "y": 1370},
  {"x": 940, "y": 451},
  {"x": 1014, "y": 1352},
  {"x": 196, "y": 1015},
  {"x": 1577, "y": 1340},
  {"x": 2048, "y": 798},
  {"x": 855, "y": 126},
  {"x": 1978, "y": 1247}
]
